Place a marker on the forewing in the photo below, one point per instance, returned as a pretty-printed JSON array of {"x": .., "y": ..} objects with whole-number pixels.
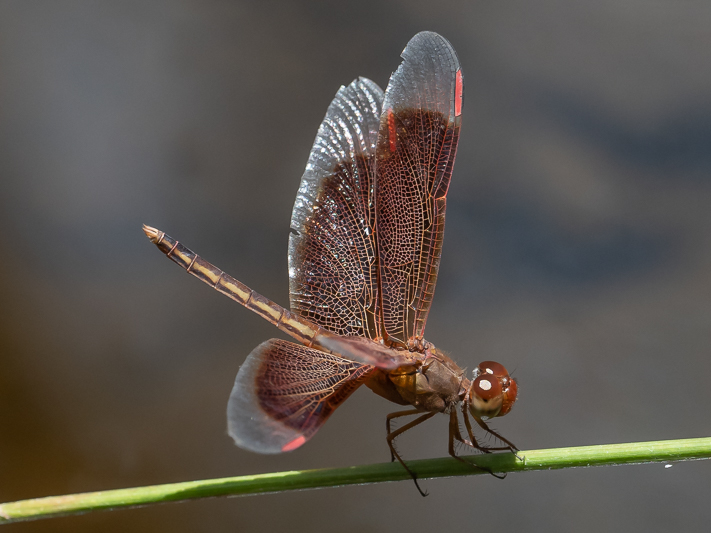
[
  {"x": 284, "y": 392},
  {"x": 332, "y": 257},
  {"x": 417, "y": 144}
]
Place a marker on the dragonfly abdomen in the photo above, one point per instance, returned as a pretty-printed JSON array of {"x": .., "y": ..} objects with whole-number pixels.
[{"x": 297, "y": 327}]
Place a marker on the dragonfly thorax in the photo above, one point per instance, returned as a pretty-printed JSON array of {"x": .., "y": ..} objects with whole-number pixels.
[{"x": 434, "y": 385}]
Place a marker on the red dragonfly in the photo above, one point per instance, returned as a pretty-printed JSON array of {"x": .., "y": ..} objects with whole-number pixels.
[{"x": 364, "y": 251}]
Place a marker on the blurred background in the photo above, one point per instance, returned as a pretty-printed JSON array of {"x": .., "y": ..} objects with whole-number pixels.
[{"x": 577, "y": 253}]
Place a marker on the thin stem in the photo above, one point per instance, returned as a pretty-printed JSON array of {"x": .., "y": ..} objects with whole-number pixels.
[{"x": 611, "y": 454}]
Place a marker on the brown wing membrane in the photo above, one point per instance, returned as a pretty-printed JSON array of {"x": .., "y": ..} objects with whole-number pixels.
[
  {"x": 284, "y": 393},
  {"x": 417, "y": 143},
  {"x": 332, "y": 258}
]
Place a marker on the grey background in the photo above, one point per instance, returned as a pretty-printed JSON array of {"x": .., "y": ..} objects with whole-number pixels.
[{"x": 577, "y": 250}]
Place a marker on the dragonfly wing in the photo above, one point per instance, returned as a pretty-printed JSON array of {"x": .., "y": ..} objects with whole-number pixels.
[
  {"x": 332, "y": 258},
  {"x": 284, "y": 392},
  {"x": 366, "y": 351},
  {"x": 417, "y": 144}
]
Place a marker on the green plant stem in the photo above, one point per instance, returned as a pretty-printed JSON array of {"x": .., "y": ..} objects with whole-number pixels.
[{"x": 612, "y": 454}]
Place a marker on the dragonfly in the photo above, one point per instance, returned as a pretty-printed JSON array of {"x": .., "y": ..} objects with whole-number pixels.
[{"x": 364, "y": 252}]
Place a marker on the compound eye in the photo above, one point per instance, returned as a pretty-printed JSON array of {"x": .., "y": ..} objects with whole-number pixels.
[
  {"x": 486, "y": 387},
  {"x": 492, "y": 367},
  {"x": 510, "y": 395},
  {"x": 485, "y": 396}
]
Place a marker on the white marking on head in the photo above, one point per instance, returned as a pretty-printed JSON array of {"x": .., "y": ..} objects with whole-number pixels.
[{"x": 484, "y": 384}]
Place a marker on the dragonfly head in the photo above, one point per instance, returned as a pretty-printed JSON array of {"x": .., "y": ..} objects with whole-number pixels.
[{"x": 492, "y": 392}]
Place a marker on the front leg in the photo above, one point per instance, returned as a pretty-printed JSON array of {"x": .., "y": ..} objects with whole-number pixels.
[
  {"x": 455, "y": 434},
  {"x": 475, "y": 443},
  {"x": 511, "y": 446}
]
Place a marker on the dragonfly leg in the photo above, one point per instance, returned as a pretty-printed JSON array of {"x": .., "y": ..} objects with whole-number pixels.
[
  {"x": 394, "y": 415},
  {"x": 474, "y": 443},
  {"x": 511, "y": 446},
  {"x": 392, "y": 436},
  {"x": 455, "y": 434}
]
